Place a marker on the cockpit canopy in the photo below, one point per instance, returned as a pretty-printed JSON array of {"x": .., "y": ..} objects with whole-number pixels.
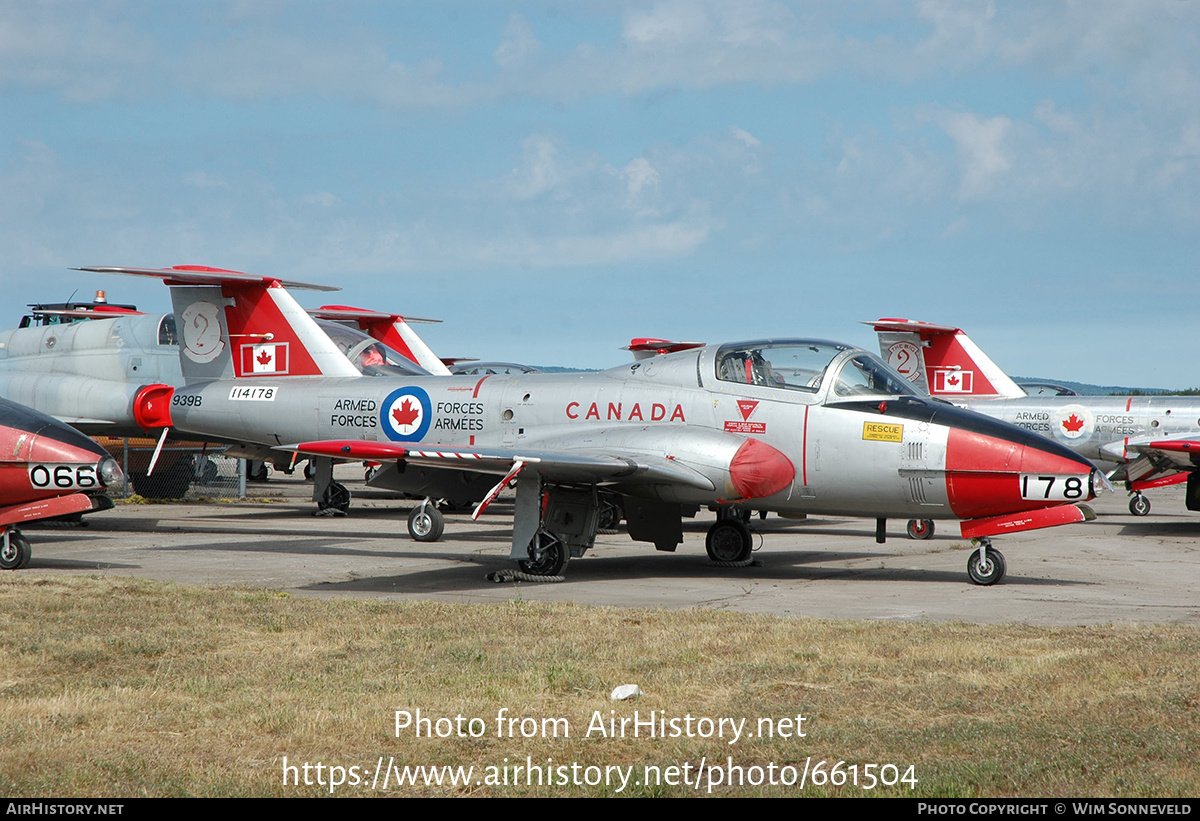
[
  {"x": 806, "y": 365},
  {"x": 370, "y": 356}
]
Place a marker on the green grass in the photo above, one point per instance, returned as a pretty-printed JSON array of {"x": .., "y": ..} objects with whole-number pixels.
[{"x": 121, "y": 687}]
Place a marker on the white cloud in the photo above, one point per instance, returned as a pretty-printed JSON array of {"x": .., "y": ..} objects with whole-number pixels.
[
  {"x": 321, "y": 198},
  {"x": 745, "y": 137},
  {"x": 979, "y": 144},
  {"x": 202, "y": 179},
  {"x": 639, "y": 174},
  {"x": 539, "y": 171},
  {"x": 519, "y": 43}
]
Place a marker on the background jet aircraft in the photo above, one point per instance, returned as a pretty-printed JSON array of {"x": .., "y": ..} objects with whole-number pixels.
[
  {"x": 795, "y": 426},
  {"x": 46, "y": 469},
  {"x": 89, "y": 374},
  {"x": 1154, "y": 439}
]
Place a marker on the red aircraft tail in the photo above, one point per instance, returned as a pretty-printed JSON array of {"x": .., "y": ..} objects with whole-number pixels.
[
  {"x": 941, "y": 359},
  {"x": 237, "y": 325}
]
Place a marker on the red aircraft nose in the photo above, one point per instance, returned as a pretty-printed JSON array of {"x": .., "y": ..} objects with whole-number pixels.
[{"x": 989, "y": 473}]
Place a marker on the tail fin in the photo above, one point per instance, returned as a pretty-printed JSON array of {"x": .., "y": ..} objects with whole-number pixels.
[
  {"x": 942, "y": 359},
  {"x": 237, "y": 325},
  {"x": 392, "y": 330}
]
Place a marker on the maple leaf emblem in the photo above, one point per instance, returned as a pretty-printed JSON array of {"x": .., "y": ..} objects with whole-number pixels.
[
  {"x": 952, "y": 380},
  {"x": 1072, "y": 424},
  {"x": 263, "y": 358},
  {"x": 406, "y": 414}
]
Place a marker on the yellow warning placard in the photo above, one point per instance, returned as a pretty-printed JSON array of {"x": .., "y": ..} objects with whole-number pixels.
[{"x": 882, "y": 432}]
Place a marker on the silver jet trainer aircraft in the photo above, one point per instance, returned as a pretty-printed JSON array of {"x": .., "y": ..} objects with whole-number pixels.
[
  {"x": 1154, "y": 439},
  {"x": 792, "y": 426}
]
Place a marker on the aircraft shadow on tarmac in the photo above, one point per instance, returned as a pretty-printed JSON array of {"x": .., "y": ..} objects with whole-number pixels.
[
  {"x": 469, "y": 570},
  {"x": 1181, "y": 528}
]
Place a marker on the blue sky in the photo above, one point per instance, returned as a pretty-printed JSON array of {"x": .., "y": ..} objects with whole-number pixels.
[{"x": 552, "y": 179}]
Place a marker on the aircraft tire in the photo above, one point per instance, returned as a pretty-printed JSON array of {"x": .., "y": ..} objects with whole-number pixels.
[
  {"x": 551, "y": 556},
  {"x": 990, "y": 571},
  {"x": 729, "y": 541},
  {"x": 15, "y": 554},
  {"x": 336, "y": 497},
  {"x": 1139, "y": 505},
  {"x": 920, "y": 529},
  {"x": 426, "y": 523}
]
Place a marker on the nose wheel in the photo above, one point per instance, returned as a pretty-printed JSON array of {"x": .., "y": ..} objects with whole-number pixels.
[
  {"x": 1139, "y": 505},
  {"x": 986, "y": 565},
  {"x": 15, "y": 550}
]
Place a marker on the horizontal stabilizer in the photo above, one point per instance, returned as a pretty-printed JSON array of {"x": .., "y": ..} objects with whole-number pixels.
[
  {"x": 345, "y": 313},
  {"x": 646, "y": 347},
  {"x": 203, "y": 275},
  {"x": 99, "y": 312},
  {"x": 927, "y": 329}
]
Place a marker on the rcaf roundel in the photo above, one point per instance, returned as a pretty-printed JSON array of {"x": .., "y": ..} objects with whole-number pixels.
[
  {"x": 406, "y": 414},
  {"x": 1074, "y": 422}
]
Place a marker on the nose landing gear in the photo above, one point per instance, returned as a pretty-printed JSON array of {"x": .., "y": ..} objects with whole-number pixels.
[{"x": 986, "y": 565}]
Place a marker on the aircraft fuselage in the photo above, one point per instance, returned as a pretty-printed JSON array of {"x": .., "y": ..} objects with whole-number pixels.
[{"x": 879, "y": 456}]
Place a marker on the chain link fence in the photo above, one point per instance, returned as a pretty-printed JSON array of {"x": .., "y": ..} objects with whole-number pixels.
[{"x": 183, "y": 471}]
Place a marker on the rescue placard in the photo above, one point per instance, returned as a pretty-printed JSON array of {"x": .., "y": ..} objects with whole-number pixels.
[{"x": 882, "y": 432}]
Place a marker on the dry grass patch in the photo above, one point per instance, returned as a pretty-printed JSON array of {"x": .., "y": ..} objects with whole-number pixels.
[{"x": 121, "y": 687}]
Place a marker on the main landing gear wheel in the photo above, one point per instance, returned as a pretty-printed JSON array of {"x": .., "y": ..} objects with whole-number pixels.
[
  {"x": 336, "y": 497},
  {"x": 549, "y": 556},
  {"x": 988, "y": 568},
  {"x": 14, "y": 551},
  {"x": 1139, "y": 505},
  {"x": 729, "y": 541},
  {"x": 426, "y": 523},
  {"x": 608, "y": 516},
  {"x": 920, "y": 529}
]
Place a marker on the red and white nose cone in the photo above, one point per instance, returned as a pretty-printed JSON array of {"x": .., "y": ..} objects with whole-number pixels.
[
  {"x": 991, "y": 475},
  {"x": 758, "y": 470}
]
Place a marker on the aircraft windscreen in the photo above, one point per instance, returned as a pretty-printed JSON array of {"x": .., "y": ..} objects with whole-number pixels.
[
  {"x": 864, "y": 375},
  {"x": 798, "y": 366}
]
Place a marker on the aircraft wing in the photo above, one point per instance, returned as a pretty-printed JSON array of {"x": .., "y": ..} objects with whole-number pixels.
[
  {"x": 576, "y": 465},
  {"x": 1147, "y": 457}
]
